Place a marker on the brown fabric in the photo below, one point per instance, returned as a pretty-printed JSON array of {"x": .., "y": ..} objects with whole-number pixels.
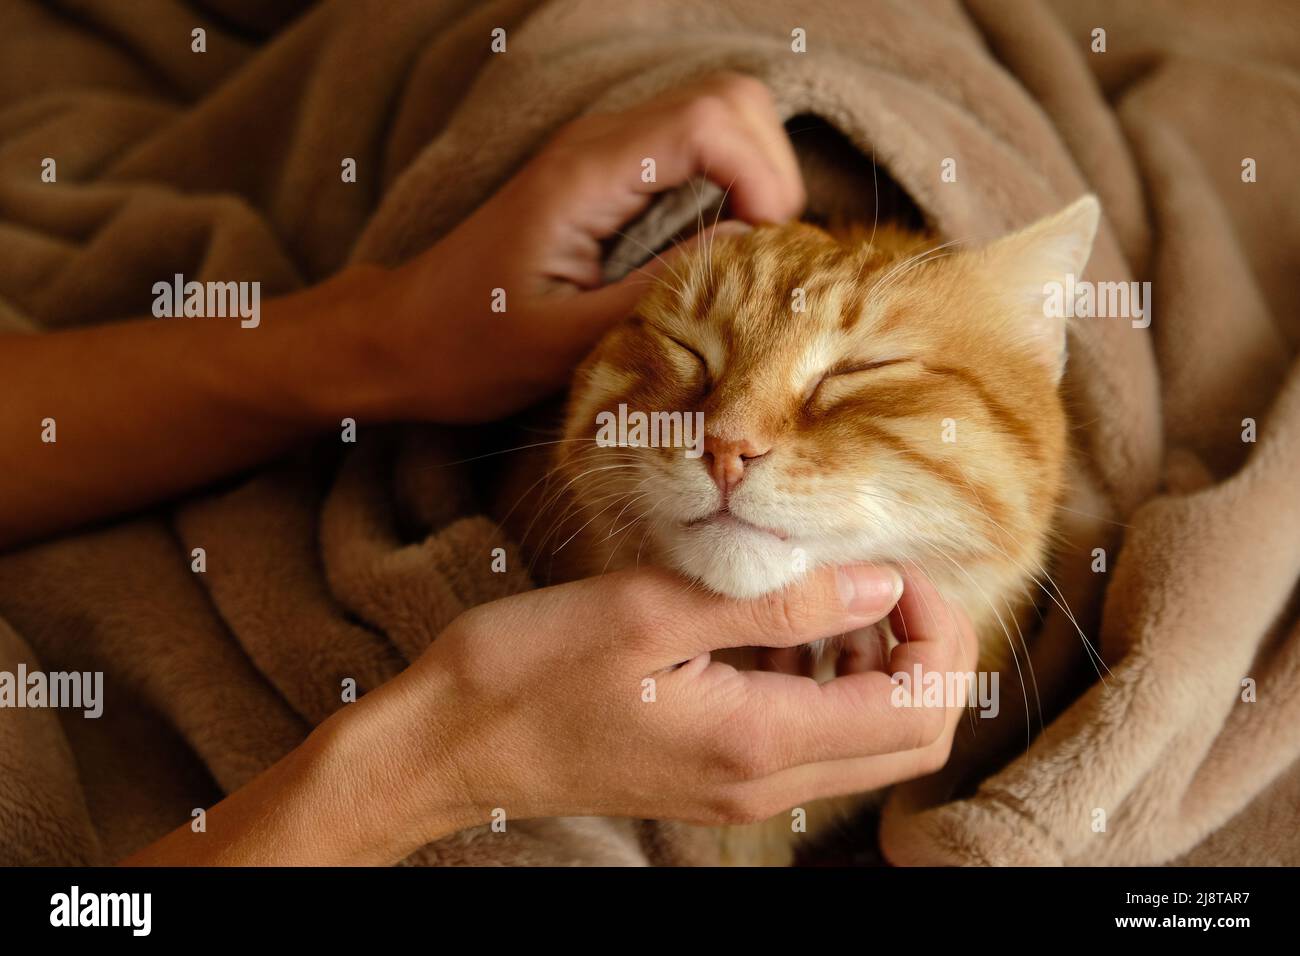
[{"x": 346, "y": 563}]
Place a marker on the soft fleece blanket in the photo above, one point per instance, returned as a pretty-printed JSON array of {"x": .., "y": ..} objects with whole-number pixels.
[{"x": 325, "y": 565}]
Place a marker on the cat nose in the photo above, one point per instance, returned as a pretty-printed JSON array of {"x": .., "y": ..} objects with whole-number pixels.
[{"x": 726, "y": 460}]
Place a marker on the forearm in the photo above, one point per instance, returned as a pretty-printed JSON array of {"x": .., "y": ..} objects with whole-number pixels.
[
  {"x": 360, "y": 791},
  {"x": 144, "y": 410}
]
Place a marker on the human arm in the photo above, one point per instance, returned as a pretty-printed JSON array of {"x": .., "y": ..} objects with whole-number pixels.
[
  {"x": 537, "y": 704},
  {"x": 145, "y": 410}
]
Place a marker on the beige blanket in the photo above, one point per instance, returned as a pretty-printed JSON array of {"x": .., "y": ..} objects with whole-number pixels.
[{"x": 328, "y": 565}]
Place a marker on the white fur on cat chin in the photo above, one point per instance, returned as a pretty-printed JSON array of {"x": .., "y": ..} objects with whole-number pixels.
[{"x": 733, "y": 561}]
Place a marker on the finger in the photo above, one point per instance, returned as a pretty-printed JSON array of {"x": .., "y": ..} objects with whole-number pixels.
[
  {"x": 755, "y": 108},
  {"x": 760, "y": 112},
  {"x": 923, "y": 614},
  {"x": 786, "y": 660},
  {"x": 837, "y": 778},
  {"x": 589, "y": 314},
  {"x": 872, "y": 712},
  {"x": 749, "y": 159},
  {"x": 714, "y": 130},
  {"x": 824, "y": 603},
  {"x": 862, "y": 651},
  {"x": 857, "y": 715}
]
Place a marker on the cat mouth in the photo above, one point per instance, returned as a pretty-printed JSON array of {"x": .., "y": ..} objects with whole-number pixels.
[{"x": 725, "y": 519}]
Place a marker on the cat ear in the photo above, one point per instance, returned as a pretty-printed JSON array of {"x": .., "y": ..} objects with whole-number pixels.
[{"x": 1031, "y": 268}]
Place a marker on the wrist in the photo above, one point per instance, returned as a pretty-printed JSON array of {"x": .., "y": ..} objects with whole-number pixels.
[
  {"x": 395, "y": 762},
  {"x": 403, "y": 357},
  {"x": 341, "y": 363}
]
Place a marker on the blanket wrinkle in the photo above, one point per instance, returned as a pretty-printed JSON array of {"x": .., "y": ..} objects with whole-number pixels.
[{"x": 1127, "y": 736}]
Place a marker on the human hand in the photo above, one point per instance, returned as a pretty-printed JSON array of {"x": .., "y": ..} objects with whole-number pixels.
[
  {"x": 539, "y": 240},
  {"x": 539, "y": 704}
]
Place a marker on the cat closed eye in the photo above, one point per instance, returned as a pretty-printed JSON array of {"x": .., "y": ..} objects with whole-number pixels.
[
  {"x": 846, "y": 369},
  {"x": 853, "y": 368},
  {"x": 704, "y": 365}
]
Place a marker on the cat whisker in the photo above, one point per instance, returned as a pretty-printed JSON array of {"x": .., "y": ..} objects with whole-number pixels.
[
  {"x": 900, "y": 270},
  {"x": 1062, "y": 604},
  {"x": 618, "y": 517},
  {"x": 585, "y": 524},
  {"x": 664, "y": 262},
  {"x": 507, "y": 451},
  {"x": 546, "y": 477},
  {"x": 1015, "y": 657},
  {"x": 645, "y": 517},
  {"x": 717, "y": 217},
  {"x": 939, "y": 552},
  {"x": 1093, "y": 653},
  {"x": 1088, "y": 514},
  {"x": 555, "y": 497},
  {"x": 599, "y": 491},
  {"x": 875, "y": 221},
  {"x": 574, "y": 505}
]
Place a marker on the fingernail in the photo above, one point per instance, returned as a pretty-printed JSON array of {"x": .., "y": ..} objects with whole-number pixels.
[
  {"x": 868, "y": 589},
  {"x": 732, "y": 227}
]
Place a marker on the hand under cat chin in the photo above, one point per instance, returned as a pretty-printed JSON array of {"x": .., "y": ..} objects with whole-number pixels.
[{"x": 731, "y": 556}]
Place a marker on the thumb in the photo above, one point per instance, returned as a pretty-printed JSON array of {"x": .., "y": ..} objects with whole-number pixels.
[{"x": 824, "y": 603}]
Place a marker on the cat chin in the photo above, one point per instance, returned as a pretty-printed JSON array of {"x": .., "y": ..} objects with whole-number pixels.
[{"x": 737, "y": 564}]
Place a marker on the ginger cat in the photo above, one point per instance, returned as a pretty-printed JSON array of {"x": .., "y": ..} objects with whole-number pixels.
[{"x": 865, "y": 397}]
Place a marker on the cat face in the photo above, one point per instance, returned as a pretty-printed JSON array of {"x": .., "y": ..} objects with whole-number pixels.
[{"x": 863, "y": 398}]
